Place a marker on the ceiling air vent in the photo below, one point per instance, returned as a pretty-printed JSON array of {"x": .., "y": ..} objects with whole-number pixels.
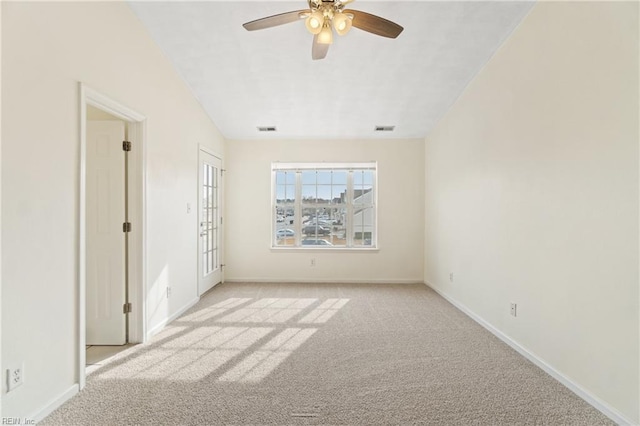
[
  {"x": 385, "y": 128},
  {"x": 266, "y": 128}
]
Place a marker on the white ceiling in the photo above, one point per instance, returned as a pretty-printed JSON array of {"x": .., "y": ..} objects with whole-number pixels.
[{"x": 267, "y": 78}]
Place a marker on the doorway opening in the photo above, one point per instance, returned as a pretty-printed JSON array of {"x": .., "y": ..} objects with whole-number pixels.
[{"x": 111, "y": 265}]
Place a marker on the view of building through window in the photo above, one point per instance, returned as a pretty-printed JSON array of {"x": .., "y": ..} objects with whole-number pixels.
[{"x": 324, "y": 205}]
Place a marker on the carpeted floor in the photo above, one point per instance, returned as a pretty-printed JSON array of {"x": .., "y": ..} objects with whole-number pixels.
[{"x": 323, "y": 354}]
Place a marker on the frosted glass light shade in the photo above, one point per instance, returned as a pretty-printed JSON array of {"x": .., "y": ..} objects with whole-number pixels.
[
  {"x": 342, "y": 23},
  {"x": 326, "y": 35},
  {"x": 314, "y": 22}
]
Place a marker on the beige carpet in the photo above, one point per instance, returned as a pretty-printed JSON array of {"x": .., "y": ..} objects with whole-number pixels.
[{"x": 323, "y": 354}]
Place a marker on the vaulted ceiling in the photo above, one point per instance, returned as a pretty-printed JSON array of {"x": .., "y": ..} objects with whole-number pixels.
[{"x": 267, "y": 78}]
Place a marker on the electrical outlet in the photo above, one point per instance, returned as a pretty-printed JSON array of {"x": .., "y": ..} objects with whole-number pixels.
[
  {"x": 168, "y": 292},
  {"x": 15, "y": 377},
  {"x": 312, "y": 263},
  {"x": 514, "y": 312},
  {"x": 451, "y": 276}
]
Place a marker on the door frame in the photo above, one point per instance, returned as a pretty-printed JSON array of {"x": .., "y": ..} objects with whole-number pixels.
[
  {"x": 202, "y": 148},
  {"x": 136, "y": 127}
]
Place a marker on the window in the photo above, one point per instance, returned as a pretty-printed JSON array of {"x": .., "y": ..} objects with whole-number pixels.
[{"x": 324, "y": 205}]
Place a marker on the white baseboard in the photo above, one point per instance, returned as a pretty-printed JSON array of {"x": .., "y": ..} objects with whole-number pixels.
[
  {"x": 155, "y": 330},
  {"x": 596, "y": 402},
  {"x": 55, "y": 403},
  {"x": 307, "y": 280}
]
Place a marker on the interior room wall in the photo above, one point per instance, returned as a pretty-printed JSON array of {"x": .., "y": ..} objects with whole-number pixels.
[
  {"x": 532, "y": 196},
  {"x": 48, "y": 48},
  {"x": 249, "y": 256}
]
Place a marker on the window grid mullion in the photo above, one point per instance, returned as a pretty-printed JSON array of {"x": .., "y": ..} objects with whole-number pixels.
[
  {"x": 349, "y": 201},
  {"x": 297, "y": 210}
]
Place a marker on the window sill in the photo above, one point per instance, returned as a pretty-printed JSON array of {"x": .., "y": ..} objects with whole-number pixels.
[{"x": 326, "y": 249}]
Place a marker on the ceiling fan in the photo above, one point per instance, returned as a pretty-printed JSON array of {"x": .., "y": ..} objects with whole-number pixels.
[{"x": 324, "y": 14}]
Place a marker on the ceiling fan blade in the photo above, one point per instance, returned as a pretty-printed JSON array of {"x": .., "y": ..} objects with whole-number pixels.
[
  {"x": 318, "y": 50},
  {"x": 374, "y": 24},
  {"x": 275, "y": 20}
]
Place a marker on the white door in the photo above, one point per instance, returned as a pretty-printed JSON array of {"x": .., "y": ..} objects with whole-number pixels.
[
  {"x": 105, "y": 280},
  {"x": 210, "y": 222}
]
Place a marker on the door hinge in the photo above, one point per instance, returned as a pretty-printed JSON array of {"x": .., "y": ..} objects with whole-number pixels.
[
  {"x": 126, "y": 308},
  {"x": 126, "y": 146},
  {"x": 126, "y": 227}
]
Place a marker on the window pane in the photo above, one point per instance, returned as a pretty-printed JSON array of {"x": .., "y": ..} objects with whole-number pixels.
[
  {"x": 363, "y": 177},
  {"x": 324, "y": 193},
  {"x": 285, "y": 193},
  {"x": 316, "y": 228},
  {"x": 339, "y": 194},
  {"x": 285, "y": 236},
  {"x": 284, "y": 217},
  {"x": 308, "y": 213},
  {"x": 308, "y": 177},
  {"x": 280, "y": 194},
  {"x": 363, "y": 220},
  {"x": 337, "y": 222},
  {"x": 288, "y": 216},
  {"x": 291, "y": 193},
  {"x": 285, "y": 178},
  {"x": 339, "y": 177},
  {"x": 324, "y": 176},
  {"x": 363, "y": 195},
  {"x": 309, "y": 193}
]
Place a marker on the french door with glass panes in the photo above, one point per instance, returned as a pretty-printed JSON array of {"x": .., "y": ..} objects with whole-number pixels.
[{"x": 209, "y": 221}]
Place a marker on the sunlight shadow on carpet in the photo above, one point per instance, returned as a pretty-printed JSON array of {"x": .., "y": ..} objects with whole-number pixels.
[
  {"x": 263, "y": 361},
  {"x": 324, "y": 312},
  {"x": 199, "y": 345}
]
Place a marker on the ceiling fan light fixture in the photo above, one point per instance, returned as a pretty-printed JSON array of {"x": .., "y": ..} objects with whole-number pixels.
[
  {"x": 314, "y": 22},
  {"x": 342, "y": 23},
  {"x": 326, "y": 35}
]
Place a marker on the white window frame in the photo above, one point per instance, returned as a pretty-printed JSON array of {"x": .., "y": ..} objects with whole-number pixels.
[{"x": 298, "y": 204}]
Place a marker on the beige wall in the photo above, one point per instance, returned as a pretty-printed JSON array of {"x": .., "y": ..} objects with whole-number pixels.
[
  {"x": 47, "y": 49},
  {"x": 400, "y": 212},
  {"x": 532, "y": 196}
]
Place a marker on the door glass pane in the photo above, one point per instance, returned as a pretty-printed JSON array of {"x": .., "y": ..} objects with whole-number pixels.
[{"x": 209, "y": 217}]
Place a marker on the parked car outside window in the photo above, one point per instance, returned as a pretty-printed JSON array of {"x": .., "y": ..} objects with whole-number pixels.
[
  {"x": 313, "y": 230},
  {"x": 284, "y": 233}
]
